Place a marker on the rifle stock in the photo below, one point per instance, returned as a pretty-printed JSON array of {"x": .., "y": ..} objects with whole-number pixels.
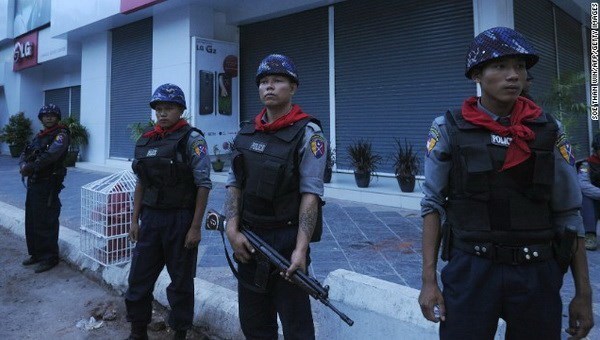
[{"x": 310, "y": 285}]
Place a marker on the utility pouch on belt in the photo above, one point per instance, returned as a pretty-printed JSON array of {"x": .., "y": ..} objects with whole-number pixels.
[
  {"x": 565, "y": 248},
  {"x": 446, "y": 241}
]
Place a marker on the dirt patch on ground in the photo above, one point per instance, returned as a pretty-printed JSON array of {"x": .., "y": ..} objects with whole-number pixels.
[{"x": 49, "y": 305}]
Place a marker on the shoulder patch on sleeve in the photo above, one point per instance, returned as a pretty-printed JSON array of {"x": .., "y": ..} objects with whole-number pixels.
[
  {"x": 317, "y": 145},
  {"x": 59, "y": 139},
  {"x": 565, "y": 149},
  {"x": 200, "y": 148},
  {"x": 314, "y": 126},
  {"x": 432, "y": 138}
]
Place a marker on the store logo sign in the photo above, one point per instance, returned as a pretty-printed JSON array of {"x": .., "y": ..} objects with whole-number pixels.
[
  {"x": 206, "y": 47},
  {"x": 25, "y": 53}
]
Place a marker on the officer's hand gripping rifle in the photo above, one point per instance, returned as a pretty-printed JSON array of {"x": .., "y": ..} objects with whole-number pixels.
[{"x": 310, "y": 285}]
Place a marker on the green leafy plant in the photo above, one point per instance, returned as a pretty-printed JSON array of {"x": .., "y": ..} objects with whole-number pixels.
[
  {"x": 18, "y": 130},
  {"x": 406, "y": 162},
  {"x": 566, "y": 100},
  {"x": 362, "y": 156},
  {"x": 78, "y": 133}
]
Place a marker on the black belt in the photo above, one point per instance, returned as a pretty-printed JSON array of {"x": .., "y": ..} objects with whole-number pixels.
[{"x": 503, "y": 254}]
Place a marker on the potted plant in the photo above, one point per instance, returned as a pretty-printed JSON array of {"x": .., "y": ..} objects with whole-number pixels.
[
  {"x": 79, "y": 137},
  {"x": 329, "y": 162},
  {"x": 364, "y": 161},
  {"x": 566, "y": 101},
  {"x": 218, "y": 163},
  {"x": 16, "y": 133},
  {"x": 406, "y": 165}
]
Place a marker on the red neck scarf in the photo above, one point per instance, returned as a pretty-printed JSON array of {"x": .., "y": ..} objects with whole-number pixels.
[
  {"x": 50, "y": 130},
  {"x": 288, "y": 119},
  {"x": 594, "y": 159},
  {"x": 160, "y": 132},
  {"x": 523, "y": 110}
]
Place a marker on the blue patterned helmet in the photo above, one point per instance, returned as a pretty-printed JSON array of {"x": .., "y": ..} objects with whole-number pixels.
[
  {"x": 499, "y": 42},
  {"x": 277, "y": 64},
  {"x": 49, "y": 109},
  {"x": 168, "y": 93}
]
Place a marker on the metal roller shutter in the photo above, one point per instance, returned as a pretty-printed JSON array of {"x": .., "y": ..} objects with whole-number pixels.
[
  {"x": 59, "y": 97},
  {"x": 535, "y": 20},
  {"x": 399, "y": 64},
  {"x": 76, "y": 102},
  {"x": 131, "y": 83},
  {"x": 301, "y": 36},
  {"x": 570, "y": 60}
]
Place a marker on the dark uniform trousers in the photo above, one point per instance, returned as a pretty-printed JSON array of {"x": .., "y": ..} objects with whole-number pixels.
[
  {"x": 42, "y": 209},
  {"x": 258, "y": 311},
  {"x": 161, "y": 241},
  {"x": 477, "y": 292}
]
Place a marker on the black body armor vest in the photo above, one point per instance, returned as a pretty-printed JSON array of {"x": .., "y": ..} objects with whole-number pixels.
[
  {"x": 161, "y": 165},
  {"x": 510, "y": 207},
  {"x": 266, "y": 165},
  {"x": 41, "y": 144}
]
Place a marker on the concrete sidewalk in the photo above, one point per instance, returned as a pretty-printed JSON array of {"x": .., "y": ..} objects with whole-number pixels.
[{"x": 373, "y": 241}]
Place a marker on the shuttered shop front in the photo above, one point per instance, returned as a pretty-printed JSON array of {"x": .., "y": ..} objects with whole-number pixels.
[
  {"x": 398, "y": 65},
  {"x": 303, "y": 37},
  {"x": 131, "y": 84},
  {"x": 68, "y": 99},
  {"x": 563, "y": 52}
]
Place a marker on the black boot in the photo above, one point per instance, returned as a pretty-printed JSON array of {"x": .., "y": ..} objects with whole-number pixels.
[
  {"x": 180, "y": 335},
  {"x": 45, "y": 266},
  {"x": 139, "y": 331},
  {"x": 30, "y": 261}
]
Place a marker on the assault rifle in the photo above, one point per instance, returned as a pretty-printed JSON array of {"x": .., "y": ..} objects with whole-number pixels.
[{"x": 310, "y": 285}]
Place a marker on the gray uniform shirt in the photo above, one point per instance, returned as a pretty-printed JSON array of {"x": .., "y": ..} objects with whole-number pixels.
[
  {"x": 312, "y": 161},
  {"x": 566, "y": 195},
  {"x": 587, "y": 188},
  {"x": 198, "y": 160}
]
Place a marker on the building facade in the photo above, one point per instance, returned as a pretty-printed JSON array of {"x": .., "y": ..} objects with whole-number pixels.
[{"x": 378, "y": 70}]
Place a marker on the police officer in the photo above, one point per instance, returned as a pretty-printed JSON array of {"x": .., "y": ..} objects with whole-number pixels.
[
  {"x": 170, "y": 197},
  {"x": 274, "y": 189},
  {"x": 499, "y": 186},
  {"x": 42, "y": 163},
  {"x": 526, "y": 92},
  {"x": 589, "y": 180}
]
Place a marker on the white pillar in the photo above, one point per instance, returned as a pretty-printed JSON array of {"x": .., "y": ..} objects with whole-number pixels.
[{"x": 95, "y": 83}]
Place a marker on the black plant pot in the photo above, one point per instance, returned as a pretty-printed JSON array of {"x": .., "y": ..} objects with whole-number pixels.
[
  {"x": 218, "y": 165},
  {"x": 71, "y": 158},
  {"x": 327, "y": 175},
  {"x": 16, "y": 150},
  {"x": 407, "y": 183},
  {"x": 362, "y": 179}
]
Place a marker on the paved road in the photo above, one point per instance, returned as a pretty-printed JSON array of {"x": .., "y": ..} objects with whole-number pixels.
[{"x": 374, "y": 240}]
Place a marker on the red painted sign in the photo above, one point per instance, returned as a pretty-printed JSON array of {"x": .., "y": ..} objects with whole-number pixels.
[
  {"x": 26, "y": 51},
  {"x": 129, "y": 6}
]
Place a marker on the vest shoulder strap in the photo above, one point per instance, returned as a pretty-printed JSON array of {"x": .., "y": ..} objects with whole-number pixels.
[
  {"x": 247, "y": 127},
  {"x": 289, "y": 133}
]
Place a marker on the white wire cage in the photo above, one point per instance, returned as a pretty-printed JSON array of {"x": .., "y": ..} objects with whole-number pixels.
[{"x": 106, "y": 212}]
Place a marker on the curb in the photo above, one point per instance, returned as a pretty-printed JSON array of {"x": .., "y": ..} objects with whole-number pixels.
[
  {"x": 380, "y": 309},
  {"x": 215, "y": 307}
]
